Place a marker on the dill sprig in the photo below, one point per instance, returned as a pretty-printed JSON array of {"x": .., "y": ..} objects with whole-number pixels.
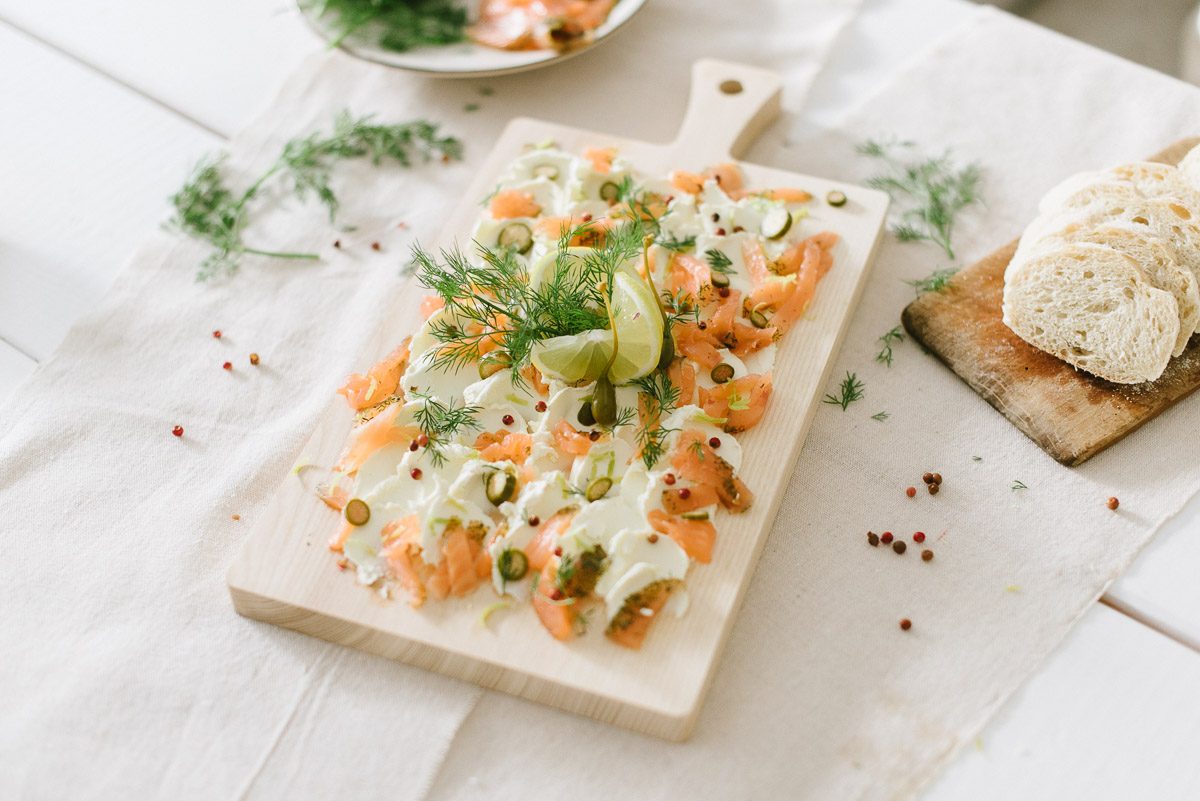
[
  {"x": 482, "y": 298},
  {"x": 660, "y": 397},
  {"x": 1018, "y": 485},
  {"x": 936, "y": 281},
  {"x": 850, "y": 391},
  {"x": 206, "y": 209},
  {"x": 399, "y": 25},
  {"x": 879, "y": 417},
  {"x": 885, "y": 353},
  {"x": 440, "y": 422},
  {"x": 934, "y": 190},
  {"x": 718, "y": 262}
]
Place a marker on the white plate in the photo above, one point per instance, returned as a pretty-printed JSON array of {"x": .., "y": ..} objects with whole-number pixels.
[{"x": 467, "y": 59}]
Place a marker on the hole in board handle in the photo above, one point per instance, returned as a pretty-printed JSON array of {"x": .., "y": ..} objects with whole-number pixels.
[{"x": 731, "y": 87}]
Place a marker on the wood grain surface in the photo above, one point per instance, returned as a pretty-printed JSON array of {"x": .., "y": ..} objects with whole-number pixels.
[
  {"x": 285, "y": 574},
  {"x": 1071, "y": 415}
]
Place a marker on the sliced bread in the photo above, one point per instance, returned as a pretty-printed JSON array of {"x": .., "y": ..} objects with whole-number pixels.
[
  {"x": 1094, "y": 308},
  {"x": 1153, "y": 255},
  {"x": 1189, "y": 169}
]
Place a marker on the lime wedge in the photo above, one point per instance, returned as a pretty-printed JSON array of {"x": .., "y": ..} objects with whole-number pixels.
[
  {"x": 542, "y": 270},
  {"x": 573, "y": 358},
  {"x": 639, "y": 325}
]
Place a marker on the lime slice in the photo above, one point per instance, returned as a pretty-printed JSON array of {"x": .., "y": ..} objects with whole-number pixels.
[
  {"x": 542, "y": 270},
  {"x": 573, "y": 358},
  {"x": 639, "y": 325}
]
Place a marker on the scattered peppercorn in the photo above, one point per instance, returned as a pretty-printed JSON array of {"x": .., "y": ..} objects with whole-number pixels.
[
  {"x": 343, "y": 563},
  {"x": 586, "y": 218},
  {"x": 702, "y": 325},
  {"x": 507, "y": 419},
  {"x": 594, "y": 436},
  {"x": 937, "y": 478},
  {"x": 423, "y": 440},
  {"x": 933, "y": 488},
  {"x": 927, "y": 478},
  {"x": 905, "y": 624},
  {"x": 541, "y": 406},
  {"x": 873, "y": 539},
  {"x": 669, "y": 479},
  {"x": 899, "y": 546},
  {"x": 557, "y": 595},
  {"x": 558, "y": 551},
  {"x": 337, "y": 243},
  {"x": 653, "y": 538},
  {"x": 723, "y": 292},
  {"x": 919, "y": 536},
  {"x": 535, "y": 521},
  {"x": 177, "y": 431},
  {"x": 737, "y": 229},
  {"x": 412, "y": 446},
  {"x": 926, "y": 555},
  {"x": 227, "y": 366},
  {"x": 685, "y": 493},
  {"x": 720, "y": 232},
  {"x": 254, "y": 359},
  {"x": 217, "y": 334},
  {"x": 714, "y": 442},
  {"x": 235, "y": 517},
  {"x": 1113, "y": 503},
  {"x": 911, "y": 492},
  {"x": 887, "y": 538},
  {"x": 716, "y": 217},
  {"x": 416, "y": 473}
]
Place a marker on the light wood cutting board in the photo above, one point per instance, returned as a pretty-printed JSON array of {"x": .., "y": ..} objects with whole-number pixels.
[
  {"x": 1069, "y": 414},
  {"x": 285, "y": 574}
]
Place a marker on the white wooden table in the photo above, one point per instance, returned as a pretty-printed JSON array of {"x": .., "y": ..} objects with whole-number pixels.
[{"x": 106, "y": 105}]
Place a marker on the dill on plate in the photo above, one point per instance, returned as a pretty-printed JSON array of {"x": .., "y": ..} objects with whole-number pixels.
[{"x": 398, "y": 25}]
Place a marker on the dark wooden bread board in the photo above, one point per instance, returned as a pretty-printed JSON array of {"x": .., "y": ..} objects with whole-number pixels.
[{"x": 1071, "y": 415}]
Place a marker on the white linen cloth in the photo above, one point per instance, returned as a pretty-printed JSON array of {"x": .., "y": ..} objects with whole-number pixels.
[
  {"x": 124, "y": 671},
  {"x": 820, "y": 695}
]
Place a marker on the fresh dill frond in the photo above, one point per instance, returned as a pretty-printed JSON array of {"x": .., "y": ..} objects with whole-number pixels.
[
  {"x": 480, "y": 296},
  {"x": 625, "y": 417},
  {"x": 851, "y": 390},
  {"x": 934, "y": 282},
  {"x": 880, "y": 416},
  {"x": 659, "y": 397},
  {"x": 718, "y": 262},
  {"x": 697, "y": 447},
  {"x": 674, "y": 244},
  {"x": 205, "y": 208},
  {"x": 894, "y": 336},
  {"x": 1018, "y": 485},
  {"x": 442, "y": 421},
  {"x": 398, "y": 25},
  {"x": 678, "y": 308},
  {"x": 932, "y": 190}
]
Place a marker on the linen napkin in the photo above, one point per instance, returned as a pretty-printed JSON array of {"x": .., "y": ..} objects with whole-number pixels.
[
  {"x": 124, "y": 671},
  {"x": 820, "y": 694}
]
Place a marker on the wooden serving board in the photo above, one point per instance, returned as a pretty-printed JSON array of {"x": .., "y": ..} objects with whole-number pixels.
[
  {"x": 1071, "y": 415},
  {"x": 285, "y": 574}
]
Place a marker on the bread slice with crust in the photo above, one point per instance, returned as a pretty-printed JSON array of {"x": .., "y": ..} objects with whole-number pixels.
[
  {"x": 1189, "y": 169},
  {"x": 1093, "y": 307},
  {"x": 1153, "y": 255}
]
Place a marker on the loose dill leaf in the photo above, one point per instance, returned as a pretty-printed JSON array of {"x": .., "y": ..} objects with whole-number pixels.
[
  {"x": 932, "y": 189},
  {"x": 880, "y": 416},
  {"x": 976, "y": 458},
  {"x": 442, "y": 421},
  {"x": 1018, "y": 485},
  {"x": 934, "y": 282},
  {"x": 884, "y": 356},
  {"x": 398, "y": 25},
  {"x": 672, "y": 243},
  {"x": 659, "y": 398},
  {"x": 718, "y": 262},
  {"x": 206, "y": 209},
  {"x": 850, "y": 391},
  {"x": 697, "y": 447}
]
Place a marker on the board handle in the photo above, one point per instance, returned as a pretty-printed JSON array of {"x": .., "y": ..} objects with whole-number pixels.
[{"x": 729, "y": 106}]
